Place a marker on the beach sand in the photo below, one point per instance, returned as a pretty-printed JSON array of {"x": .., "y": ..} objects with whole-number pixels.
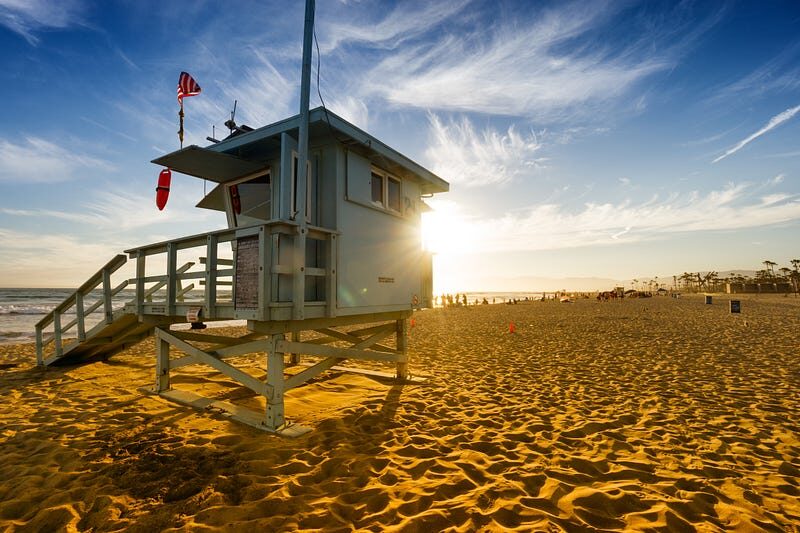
[{"x": 653, "y": 414}]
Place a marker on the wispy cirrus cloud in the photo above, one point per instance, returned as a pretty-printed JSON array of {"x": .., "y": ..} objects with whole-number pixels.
[
  {"x": 461, "y": 154},
  {"x": 29, "y": 17},
  {"x": 406, "y": 21},
  {"x": 773, "y": 123},
  {"x": 779, "y": 74},
  {"x": 535, "y": 70},
  {"x": 40, "y": 161},
  {"x": 120, "y": 211},
  {"x": 553, "y": 226}
]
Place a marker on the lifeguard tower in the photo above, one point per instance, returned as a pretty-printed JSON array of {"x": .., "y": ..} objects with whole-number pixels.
[{"x": 310, "y": 248}]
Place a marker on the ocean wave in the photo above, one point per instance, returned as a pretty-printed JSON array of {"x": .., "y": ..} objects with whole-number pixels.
[{"x": 17, "y": 309}]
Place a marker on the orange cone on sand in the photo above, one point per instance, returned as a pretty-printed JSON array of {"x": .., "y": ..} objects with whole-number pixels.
[
  {"x": 413, "y": 322},
  {"x": 512, "y": 328}
]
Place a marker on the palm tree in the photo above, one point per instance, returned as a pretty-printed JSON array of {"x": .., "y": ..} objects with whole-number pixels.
[{"x": 770, "y": 267}]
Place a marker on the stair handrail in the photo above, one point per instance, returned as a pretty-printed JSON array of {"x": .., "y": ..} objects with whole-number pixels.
[{"x": 102, "y": 276}]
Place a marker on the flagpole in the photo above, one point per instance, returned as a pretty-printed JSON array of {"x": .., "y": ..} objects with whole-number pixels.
[
  {"x": 299, "y": 277},
  {"x": 180, "y": 131}
]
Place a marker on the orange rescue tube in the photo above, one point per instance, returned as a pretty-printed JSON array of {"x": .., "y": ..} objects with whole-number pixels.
[{"x": 162, "y": 191}]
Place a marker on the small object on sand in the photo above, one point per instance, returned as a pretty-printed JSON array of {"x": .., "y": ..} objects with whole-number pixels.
[
  {"x": 512, "y": 328},
  {"x": 412, "y": 322},
  {"x": 565, "y": 300},
  {"x": 736, "y": 306}
]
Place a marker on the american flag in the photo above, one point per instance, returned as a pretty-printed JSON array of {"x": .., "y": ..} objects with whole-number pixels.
[{"x": 187, "y": 87}]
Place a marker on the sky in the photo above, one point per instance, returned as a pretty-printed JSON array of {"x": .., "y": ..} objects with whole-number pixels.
[{"x": 615, "y": 139}]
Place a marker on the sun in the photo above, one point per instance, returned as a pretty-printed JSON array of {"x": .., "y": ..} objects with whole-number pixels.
[{"x": 445, "y": 230}]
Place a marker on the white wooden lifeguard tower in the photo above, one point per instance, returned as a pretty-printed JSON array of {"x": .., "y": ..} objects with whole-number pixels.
[{"x": 309, "y": 248}]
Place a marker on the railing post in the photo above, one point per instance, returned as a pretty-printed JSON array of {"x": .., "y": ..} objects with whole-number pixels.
[
  {"x": 39, "y": 346},
  {"x": 172, "y": 265},
  {"x": 211, "y": 276},
  {"x": 57, "y": 331},
  {"x": 140, "y": 272},
  {"x": 330, "y": 279},
  {"x": 264, "y": 273},
  {"x": 109, "y": 312},
  {"x": 79, "y": 310}
]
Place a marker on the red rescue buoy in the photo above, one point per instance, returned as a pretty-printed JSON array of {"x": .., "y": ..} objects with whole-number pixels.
[{"x": 162, "y": 191}]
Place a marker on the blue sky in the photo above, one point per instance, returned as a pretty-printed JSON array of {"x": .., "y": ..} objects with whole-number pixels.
[{"x": 612, "y": 139}]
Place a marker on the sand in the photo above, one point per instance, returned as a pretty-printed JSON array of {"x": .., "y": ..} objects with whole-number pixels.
[{"x": 652, "y": 414}]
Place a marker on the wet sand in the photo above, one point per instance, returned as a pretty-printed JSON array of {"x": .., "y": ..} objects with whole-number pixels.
[{"x": 652, "y": 414}]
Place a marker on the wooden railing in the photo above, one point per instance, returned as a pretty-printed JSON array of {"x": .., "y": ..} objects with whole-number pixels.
[
  {"x": 171, "y": 291},
  {"x": 102, "y": 278},
  {"x": 165, "y": 292}
]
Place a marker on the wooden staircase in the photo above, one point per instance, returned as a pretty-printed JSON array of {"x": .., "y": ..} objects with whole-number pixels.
[{"x": 97, "y": 330}]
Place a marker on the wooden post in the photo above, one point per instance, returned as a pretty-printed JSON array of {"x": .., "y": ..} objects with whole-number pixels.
[
  {"x": 109, "y": 311},
  {"x": 81, "y": 316},
  {"x": 211, "y": 277},
  {"x": 140, "y": 272},
  {"x": 162, "y": 363},
  {"x": 264, "y": 273},
  {"x": 57, "y": 331},
  {"x": 39, "y": 346},
  {"x": 330, "y": 279},
  {"x": 402, "y": 347},
  {"x": 294, "y": 358},
  {"x": 172, "y": 266},
  {"x": 275, "y": 408}
]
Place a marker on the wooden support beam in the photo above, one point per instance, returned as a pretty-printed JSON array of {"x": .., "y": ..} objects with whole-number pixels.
[
  {"x": 388, "y": 329},
  {"x": 214, "y": 339},
  {"x": 241, "y": 349},
  {"x": 330, "y": 280},
  {"x": 162, "y": 364},
  {"x": 275, "y": 407},
  {"x": 212, "y": 261},
  {"x": 294, "y": 358},
  {"x": 402, "y": 347},
  {"x": 181, "y": 293},
  {"x": 311, "y": 372},
  {"x": 232, "y": 372},
  {"x": 342, "y": 353}
]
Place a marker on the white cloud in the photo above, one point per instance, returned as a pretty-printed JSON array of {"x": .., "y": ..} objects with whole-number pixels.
[
  {"x": 40, "y": 161},
  {"x": 27, "y": 17},
  {"x": 553, "y": 226},
  {"x": 777, "y": 179},
  {"x": 28, "y": 258},
  {"x": 624, "y": 181},
  {"x": 264, "y": 94},
  {"x": 350, "y": 108},
  {"x": 406, "y": 21},
  {"x": 774, "y": 122},
  {"x": 514, "y": 69},
  {"x": 462, "y": 155}
]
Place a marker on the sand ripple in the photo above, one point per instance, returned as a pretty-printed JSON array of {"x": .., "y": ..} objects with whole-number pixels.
[{"x": 650, "y": 415}]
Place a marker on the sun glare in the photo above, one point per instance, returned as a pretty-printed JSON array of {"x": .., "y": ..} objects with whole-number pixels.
[{"x": 445, "y": 231}]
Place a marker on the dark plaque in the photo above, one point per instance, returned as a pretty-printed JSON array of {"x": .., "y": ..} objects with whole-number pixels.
[
  {"x": 246, "y": 282},
  {"x": 736, "y": 306}
]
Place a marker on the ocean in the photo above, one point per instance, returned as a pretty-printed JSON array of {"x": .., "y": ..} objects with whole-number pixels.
[{"x": 21, "y": 309}]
